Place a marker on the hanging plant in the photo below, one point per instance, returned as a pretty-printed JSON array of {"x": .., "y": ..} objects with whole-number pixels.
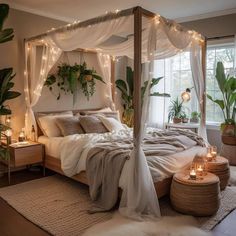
[{"x": 72, "y": 78}]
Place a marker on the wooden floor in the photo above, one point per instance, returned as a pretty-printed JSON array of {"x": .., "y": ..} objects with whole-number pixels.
[{"x": 14, "y": 224}]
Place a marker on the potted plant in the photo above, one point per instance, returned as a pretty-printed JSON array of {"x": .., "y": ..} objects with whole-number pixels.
[
  {"x": 184, "y": 118},
  {"x": 175, "y": 111},
  {"x": 227, "y": 86},
  {"x": 6, "y": 83},
  {"x": 195, "y": 116},
  {"x": 69, "y": 78},
  {"x": 127, "y": 94}
]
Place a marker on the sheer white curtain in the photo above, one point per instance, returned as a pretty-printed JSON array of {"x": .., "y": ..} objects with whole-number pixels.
[
  {"x": 104, "y": 61},
  {"x": 199, "y": 85},
  {"x": 34, "y": 79},
  {"x": 139, "y": 199}
]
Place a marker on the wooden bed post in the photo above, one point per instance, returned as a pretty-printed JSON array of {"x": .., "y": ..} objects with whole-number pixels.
[
  {"x": 113, "y": 86},
  {"x": 204, "y": 49},
  {"x": 137, "y": 70}
]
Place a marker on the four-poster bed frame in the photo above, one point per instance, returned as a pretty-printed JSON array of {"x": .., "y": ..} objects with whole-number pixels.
[{"x": 162, "y": 187}]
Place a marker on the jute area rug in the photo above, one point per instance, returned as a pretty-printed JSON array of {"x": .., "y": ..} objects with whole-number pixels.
[{"x": 59, "y": 205}]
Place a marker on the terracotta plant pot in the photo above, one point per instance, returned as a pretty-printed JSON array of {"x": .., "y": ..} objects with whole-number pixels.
[
  {"x": 185, "y": 120},
  {"x": 177, "y": 120},
  {"x": 228, "y": 129},
  {"x": 229, "y": 140},
  {"x": 88, "y": 77}
]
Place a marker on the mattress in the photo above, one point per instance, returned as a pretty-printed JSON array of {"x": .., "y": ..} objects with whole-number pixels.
[{"x": 161, "y": 167}]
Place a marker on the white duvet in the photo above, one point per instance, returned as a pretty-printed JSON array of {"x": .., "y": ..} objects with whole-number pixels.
[{"x": 72, "y": 151}]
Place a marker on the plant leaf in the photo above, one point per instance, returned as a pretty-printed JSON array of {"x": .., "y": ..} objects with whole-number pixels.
[
  {"x": 121, "y": 85},
  {"x": 97, "y": 77},
  {"x": 4, "y": 10},
  {"x": 6, "y": 35},
  {"x": 5, "y": 111},
  {"x": 130, "y": 80},
  {"x": 157, "y": 94},
  {"x": 220, "y": 76},
  {"x": 155, "y": 81}
]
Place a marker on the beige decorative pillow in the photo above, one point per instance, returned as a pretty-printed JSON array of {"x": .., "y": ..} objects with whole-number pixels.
[
  {"x": 69, "y": 125},
  {"x": 47, "y": 123},
  {"x": 92, "y": 124},
  {"x": 111, "y": 123}
]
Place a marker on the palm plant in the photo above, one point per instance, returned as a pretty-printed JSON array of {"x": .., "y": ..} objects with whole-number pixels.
[
  {"x": 6, "y": 77},
  {"x": 227, "y": 86},
  {"x": 127, "y": 94}
]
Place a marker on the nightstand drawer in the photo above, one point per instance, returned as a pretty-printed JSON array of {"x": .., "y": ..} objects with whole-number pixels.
[{"x": 26, "y": 155}]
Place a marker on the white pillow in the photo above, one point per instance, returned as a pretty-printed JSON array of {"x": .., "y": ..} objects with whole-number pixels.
[
  {"x": 111, "y": 123},
  {"x": 48, "y": 124}
]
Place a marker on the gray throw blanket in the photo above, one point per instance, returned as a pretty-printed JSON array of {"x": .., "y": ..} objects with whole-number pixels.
[
  {"x": 104, "y": 166},
  {"x": 105, "y": 162}
]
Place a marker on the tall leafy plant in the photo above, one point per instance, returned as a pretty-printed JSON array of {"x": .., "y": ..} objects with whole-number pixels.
[
  {"x": 126, "y": 88},
  {"x": 227, "y": 86},
  {"x": 6, "y": 77}
]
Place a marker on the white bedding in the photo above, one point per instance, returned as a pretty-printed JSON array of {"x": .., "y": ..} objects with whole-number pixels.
[{"x": 72, "y": 151}]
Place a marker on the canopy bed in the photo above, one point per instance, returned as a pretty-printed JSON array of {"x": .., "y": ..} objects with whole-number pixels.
[{"x": 147, "y": 37}]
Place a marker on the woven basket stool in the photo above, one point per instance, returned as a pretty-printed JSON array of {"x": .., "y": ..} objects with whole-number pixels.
[
  {"x": 195, "y": 197},
  {"x": 220, "y": 167}
]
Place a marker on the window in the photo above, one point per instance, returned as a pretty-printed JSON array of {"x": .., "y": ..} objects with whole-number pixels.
[
  {"x": 224, "y": 53},
  {"x": 178, "y": 76}
]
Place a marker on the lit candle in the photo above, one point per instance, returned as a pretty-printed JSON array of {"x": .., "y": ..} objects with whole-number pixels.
[
  {"x": 200, "y": 170},
  {"x": 209, "y": 155},
  {"x": 214, "y": 152},
  {"x": 22, "y": 136},
  {"x": 193, "y": 174}
]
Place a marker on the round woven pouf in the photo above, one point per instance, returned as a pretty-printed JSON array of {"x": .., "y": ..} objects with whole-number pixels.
[
  {"x": 220, "y": 167},
  {"x": 195, "y": 197}
]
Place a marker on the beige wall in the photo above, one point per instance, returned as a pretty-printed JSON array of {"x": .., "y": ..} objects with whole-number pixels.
[
  {"x": 215, "y": 26},
  {"x": 26, "y": 25}
]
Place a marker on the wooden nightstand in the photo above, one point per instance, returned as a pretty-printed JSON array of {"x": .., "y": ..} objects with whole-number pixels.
[{"x": 24, "y": 155}]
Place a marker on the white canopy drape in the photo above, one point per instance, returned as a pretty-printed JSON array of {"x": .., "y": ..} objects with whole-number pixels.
[
  {"x": 160, "y": 39},
  {"x": 36, "y": 77}
]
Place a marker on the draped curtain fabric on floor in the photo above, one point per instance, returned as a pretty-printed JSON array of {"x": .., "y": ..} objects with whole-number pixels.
[{"x": 160, "y": 39}]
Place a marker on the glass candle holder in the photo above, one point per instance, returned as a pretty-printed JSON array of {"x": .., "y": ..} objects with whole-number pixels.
[
  {"x": 200, "y": 170},
  {"x": 193, "y": 174},
  {"x": 209, "y": 155},
  {"x": 214, "y": 152}
]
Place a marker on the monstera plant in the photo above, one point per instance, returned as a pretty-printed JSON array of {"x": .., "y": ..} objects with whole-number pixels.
[
  {"x": 127, "y": 94},
  {"x": 227, "y": 86},
  {"x": 6, "y": 76}
]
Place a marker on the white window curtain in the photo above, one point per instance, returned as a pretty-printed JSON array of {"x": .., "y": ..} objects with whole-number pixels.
[
  {"x": 199, "y": 85},
  {"x": 235, "y": 55},
  {"x": 35, "y": 79},
  {"x": 104, "y": 61}
]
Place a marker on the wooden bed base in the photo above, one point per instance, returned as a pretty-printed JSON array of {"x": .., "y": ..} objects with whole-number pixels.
[{"x": 52, "y": 163}]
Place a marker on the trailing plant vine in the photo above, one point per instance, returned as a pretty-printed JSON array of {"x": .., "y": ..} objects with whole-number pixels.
[{"x": 72, "y": 78}]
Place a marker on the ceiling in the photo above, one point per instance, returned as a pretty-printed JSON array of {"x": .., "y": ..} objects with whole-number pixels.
[{"x": 70, "y": 10}]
